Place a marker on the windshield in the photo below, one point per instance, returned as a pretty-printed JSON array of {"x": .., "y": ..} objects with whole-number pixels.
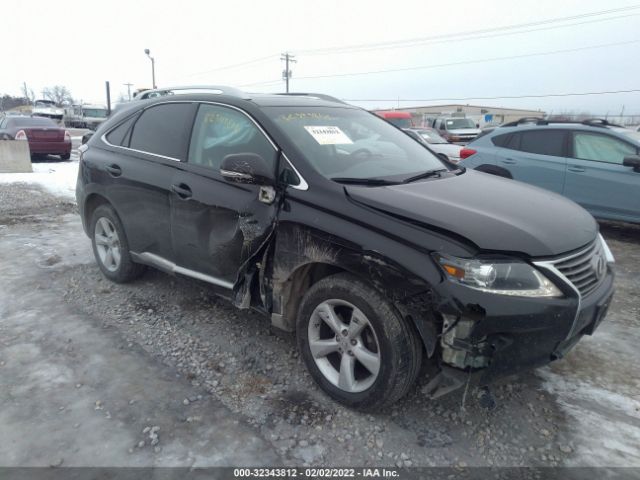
[
  {"x": 352, "y": 143},
  {"x": 95, "y": 112},
  {"x": 431, "y": 136},
  {"x": 457, "y": 123},
  {"x": 32, "y": 122},
  {"x": 45, "y": 103},
  {"x": 400, "y": 122}
]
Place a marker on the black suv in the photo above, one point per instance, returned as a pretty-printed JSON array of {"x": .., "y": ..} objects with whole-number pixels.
[{"x": 343, "y": 229}]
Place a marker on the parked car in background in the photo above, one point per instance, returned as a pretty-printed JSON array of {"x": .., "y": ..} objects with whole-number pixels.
[
  {"x": 460, "y": 130},
  {"x": 399, "y": 119},
  {"x": 45, "y": 137},
  {"x": 379, "y": 259},
  {"x": 47, "y": 109},
  {"x": 436, "y": 143},
  {"x": 85, "y": 116},
  {"x": 593, "y": 163}
]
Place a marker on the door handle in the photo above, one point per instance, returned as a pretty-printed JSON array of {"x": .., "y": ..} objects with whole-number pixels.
[
  {"x": 576, "y": 168},
  {"x": 182, "y": 190},
  {"x": 114, "y": 170},
  {"x": 509, "y": 161}
]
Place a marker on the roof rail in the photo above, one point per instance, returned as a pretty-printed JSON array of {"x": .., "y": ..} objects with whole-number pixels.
[
  {"x": 592, "y": 122},
  {"x": 535, "y": 120},
  {"x": 599, "y": 122},
  {"x": 185, "y": 89},
  {"x": 321, "y": 96}
]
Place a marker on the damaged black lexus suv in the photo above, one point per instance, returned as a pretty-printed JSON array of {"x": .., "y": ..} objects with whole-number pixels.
[{"x": 339, "y": 227}]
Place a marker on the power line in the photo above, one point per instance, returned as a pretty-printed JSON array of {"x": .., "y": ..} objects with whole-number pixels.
[
  {"x": 234, "y": 65},
  {"x": 451, "y": 36},
  {"x": 255, "y": 84},
  {"x": 468, "y": 62},
  {"x": 572, "y": 94},
  {"x": 479, "y": 37}
]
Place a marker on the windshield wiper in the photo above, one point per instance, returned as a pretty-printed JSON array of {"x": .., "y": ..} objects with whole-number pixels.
[
  {"x": 427, "y": 174},
  {"x": 363, "y": 181}
]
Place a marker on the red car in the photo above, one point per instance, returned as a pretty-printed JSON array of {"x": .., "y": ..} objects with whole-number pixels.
[
  {"x": 399, "y": 119},
  {"x": 45, "y": 137}
]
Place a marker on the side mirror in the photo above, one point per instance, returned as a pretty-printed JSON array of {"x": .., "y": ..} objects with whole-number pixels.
[
  {"x": 247, "y": 168},
  {"x": 632, "y": 161},
  {"x": 86, "y": 137}
]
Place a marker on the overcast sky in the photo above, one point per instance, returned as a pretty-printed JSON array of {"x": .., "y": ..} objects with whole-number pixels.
[{"x": 81, "y": 44}]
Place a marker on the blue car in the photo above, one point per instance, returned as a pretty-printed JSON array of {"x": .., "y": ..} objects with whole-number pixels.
[{"x": 594, "y": 163}]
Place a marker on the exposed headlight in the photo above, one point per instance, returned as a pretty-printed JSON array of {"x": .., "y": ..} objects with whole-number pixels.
[{"x": 503, "y": 277}]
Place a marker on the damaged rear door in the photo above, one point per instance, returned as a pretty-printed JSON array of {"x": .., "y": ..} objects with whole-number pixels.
[{"x": 216, "y": 226}]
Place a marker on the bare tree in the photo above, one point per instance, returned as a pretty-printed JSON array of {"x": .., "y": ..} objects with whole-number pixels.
[
  {"x": 58, "y": 94},
  {"x": 27, "y": 93}
]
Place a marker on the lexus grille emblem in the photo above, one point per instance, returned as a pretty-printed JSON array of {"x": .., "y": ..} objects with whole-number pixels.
[{"x": 599, "y": 265}]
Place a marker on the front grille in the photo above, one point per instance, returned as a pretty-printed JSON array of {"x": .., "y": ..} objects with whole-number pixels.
[{"x": 586, "y": 269}]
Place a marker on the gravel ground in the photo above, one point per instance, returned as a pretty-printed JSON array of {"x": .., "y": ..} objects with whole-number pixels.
[{"x": 235, "y": 357}]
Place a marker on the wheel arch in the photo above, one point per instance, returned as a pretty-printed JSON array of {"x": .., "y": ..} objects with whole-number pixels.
[
  {"x": 93, "y": 201},
  {"x": 494, "y": 170},
  {"x": 301, "y": 259}
]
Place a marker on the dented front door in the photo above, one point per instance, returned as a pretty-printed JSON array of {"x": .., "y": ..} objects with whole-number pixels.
[{"x": 216, "y": 225}]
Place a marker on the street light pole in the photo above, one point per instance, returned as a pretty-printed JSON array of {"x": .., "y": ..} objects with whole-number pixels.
[{"x": 153, "y": 67}]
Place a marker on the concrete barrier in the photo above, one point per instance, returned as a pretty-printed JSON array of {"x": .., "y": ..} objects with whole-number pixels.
[{"x": 15, "y": 157}]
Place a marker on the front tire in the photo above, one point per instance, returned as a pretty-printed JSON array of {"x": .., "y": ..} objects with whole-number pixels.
[
  {"x": 356, "y": 345},
  {"x": 111, "y": 248}
]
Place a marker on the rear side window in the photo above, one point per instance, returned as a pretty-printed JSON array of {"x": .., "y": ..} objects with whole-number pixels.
[
  {"x": 500, "y": 140},
  {"x": 543, "y": 142},
  {"x": 120, "y": 134},
  {"x": 164, "y": 130}
]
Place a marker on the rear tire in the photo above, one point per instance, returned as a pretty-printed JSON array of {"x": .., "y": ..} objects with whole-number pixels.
[
  {"x": 66, "y": 156},
  {"x": 366, "y": 370},
  {"x": 111, "y": 248}
]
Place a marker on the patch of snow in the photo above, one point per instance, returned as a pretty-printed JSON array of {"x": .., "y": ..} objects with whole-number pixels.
[
  {"x": 59, "y": 178},
  {"x": 605, "y": 424}
]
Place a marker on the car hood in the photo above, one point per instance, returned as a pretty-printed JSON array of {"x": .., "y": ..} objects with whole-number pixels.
[
  {"x": 494, "y": 213},
  {"x": 449, "y": 149},
  {"x": 464, "y": 131}
]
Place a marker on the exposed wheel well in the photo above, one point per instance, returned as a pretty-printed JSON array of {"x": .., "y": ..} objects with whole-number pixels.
[
  {"x": 299, "y": 282},
  {"x": 495, "y": 170},
  {"x": 92, "y": 202}
]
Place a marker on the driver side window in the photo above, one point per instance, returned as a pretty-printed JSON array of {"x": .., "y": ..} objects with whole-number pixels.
[
  {"x": 220, "y": 131},
  {"x": 601, "y": 148}
]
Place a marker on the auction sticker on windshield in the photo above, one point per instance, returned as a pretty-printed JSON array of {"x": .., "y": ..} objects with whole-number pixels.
[{"x": 328, "y": 135}]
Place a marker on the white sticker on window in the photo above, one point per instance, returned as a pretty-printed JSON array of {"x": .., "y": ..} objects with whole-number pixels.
[
  {"x": 328, "y": 135},
  {"x": 449, "y": 122}
]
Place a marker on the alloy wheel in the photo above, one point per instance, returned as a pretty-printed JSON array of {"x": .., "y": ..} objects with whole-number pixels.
[
  {"x": 107, "y": 244},
  {"x": 344, "y": 345}
]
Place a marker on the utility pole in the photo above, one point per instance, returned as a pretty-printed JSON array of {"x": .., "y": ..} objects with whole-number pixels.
[
  {"x": 128, "y": 89},
  {"x": 108, "y": 88},
  {"x": 286, "y": 73},
  {"x": 153, "y": 67}
]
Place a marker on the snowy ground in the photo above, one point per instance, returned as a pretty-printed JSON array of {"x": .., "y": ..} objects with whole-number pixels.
[
  {"x": 581, "y": 411},
  {"x": 57, "y": 177}
]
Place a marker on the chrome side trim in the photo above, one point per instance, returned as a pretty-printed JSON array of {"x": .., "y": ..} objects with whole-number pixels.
[
  {"x": 170, "y": 267},
  {"x": 607, "y": 252},
  {"x": 233, "y": 107},
  {"x": 303, "y": 185},
  {"x": 229, "y": 173},
  {"x": 550, "y": 265},
  {"x": 104, "y": 139}
]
